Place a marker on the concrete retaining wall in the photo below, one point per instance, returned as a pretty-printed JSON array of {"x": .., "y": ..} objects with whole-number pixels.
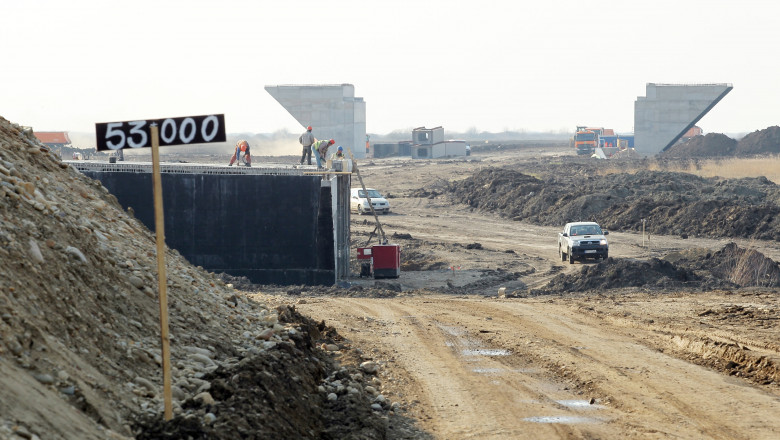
[{"x": 273, "y": 229}]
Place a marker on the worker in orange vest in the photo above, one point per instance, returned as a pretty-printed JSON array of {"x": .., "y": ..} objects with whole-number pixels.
[{"x": 242, "y": 147}]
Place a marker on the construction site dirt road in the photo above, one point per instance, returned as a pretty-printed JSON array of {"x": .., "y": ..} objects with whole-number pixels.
[
  {"x": 642, "y": 362},
  {"x": 674, "y": 336}
]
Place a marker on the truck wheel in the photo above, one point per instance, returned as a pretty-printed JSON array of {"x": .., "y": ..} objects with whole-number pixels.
[
  {"x": 571, "y": 257},
  {"x": 561, "y": 254}
]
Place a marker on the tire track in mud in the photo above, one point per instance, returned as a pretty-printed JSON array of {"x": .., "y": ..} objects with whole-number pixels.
[
  {"x": 640, "y": 379},
  {"x": 733, "y": 353},
  {"x": 469, "y": 390},
  {"x": 554, "y": 355},
  {"x": 448, "y": 399}
]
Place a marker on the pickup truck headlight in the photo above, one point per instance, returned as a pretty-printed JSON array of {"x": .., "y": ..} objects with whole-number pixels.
[{"x": 603, "y": 242}]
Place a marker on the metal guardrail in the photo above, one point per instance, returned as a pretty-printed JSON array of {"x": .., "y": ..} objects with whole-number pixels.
[
  {"x": 188, "y": 168},
  {"x": 693, "y": 84}
]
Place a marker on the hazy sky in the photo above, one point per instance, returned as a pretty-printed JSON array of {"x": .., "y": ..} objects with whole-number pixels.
[{"x": 484, "y": 65}]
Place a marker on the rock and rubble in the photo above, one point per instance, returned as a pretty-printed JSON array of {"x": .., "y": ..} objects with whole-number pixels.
[{"x": 79, "y": 336}]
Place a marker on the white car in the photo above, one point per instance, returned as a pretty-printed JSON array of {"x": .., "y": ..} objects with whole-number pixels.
[{"x": 359, "y": 202}]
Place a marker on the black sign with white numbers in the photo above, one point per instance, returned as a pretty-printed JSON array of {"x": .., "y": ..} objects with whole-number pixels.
[{"x": 173, "y": 131}]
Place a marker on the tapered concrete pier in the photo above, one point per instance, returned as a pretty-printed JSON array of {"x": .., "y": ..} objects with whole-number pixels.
[{"x": 667, "y": 111}]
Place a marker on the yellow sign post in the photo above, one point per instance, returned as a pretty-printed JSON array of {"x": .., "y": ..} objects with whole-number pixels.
[
  {"x": 159, "y": 227},
  {"x": 114, "y": 136}
]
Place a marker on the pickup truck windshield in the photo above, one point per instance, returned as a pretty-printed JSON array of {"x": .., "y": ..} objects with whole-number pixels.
[{"x": 585, "y": 230}]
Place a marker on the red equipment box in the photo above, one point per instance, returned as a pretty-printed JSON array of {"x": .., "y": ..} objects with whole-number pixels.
[
  {"x": 364, "y": 253},
  {"x": 386, "y": 260}
]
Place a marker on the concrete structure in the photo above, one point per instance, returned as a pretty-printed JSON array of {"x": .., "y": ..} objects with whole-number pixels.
[
  {"x": 273, "y": 225},
  {"x": 333, "y": 111},
  {"x": 668, "y": 111},
  {"x": 427, "y": 136},
  {"x": 429, "y": 143},
  {"x": 389, "y": 149},
  {"x": 439, "y": 149}
]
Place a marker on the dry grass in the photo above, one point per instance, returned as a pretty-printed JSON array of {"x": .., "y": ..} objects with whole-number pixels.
[
  {"x": 732, "y": 168},
  {"x": 748, "y": 267},
  {"x": 768, "y": 167}
]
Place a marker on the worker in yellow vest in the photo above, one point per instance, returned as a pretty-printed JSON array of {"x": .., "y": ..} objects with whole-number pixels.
[
  {"x": 320, "y": 150},
  {"x": 338, "y": 154}
]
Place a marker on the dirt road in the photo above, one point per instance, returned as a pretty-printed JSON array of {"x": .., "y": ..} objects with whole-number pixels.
[
  {"x": 630, "y": 364},
  {"x": 540, "y": 368}
]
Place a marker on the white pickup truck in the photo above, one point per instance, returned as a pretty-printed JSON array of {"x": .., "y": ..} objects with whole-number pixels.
[{"x": 582, "y": 240}]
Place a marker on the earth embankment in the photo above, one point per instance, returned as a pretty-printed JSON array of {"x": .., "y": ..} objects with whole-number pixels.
[{"x": 661, "y": 202}]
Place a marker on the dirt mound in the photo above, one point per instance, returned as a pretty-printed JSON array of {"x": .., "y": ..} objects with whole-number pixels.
[
  {"x": 280, "y": 394},
  {"x": 614, "y": 273},
  {"x": 709, "y": 145},
  {"x": 628, "y": 153},
  {"x": 381, "y": 289},
  {"x": 79, "y": 335},
  {"x": 740, "y": 266},
  {"x": 667, "y": 201},
  {"x": 765, "y": 141},
  {"x": 243, "y": 284},
  {"x": 729, "y": 268},
  {"x": 424, "y": 193}
]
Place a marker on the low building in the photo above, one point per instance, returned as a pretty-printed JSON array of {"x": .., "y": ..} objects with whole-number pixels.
[
  {"x": 427, "y": 136},
  {"x": 429, "y": 143},
  {"x": 692, "y": 133},
  {"x": 55, "y": 140},
  {"x": 452, "y": 148}
]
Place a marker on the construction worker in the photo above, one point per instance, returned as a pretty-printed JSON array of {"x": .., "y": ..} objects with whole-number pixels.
[
  {"x": 306, "y": 140},
  {"x": 320, "y": 150},
  {"x": 339, "y": 154},
  {"x": 242, "y": 147}
]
